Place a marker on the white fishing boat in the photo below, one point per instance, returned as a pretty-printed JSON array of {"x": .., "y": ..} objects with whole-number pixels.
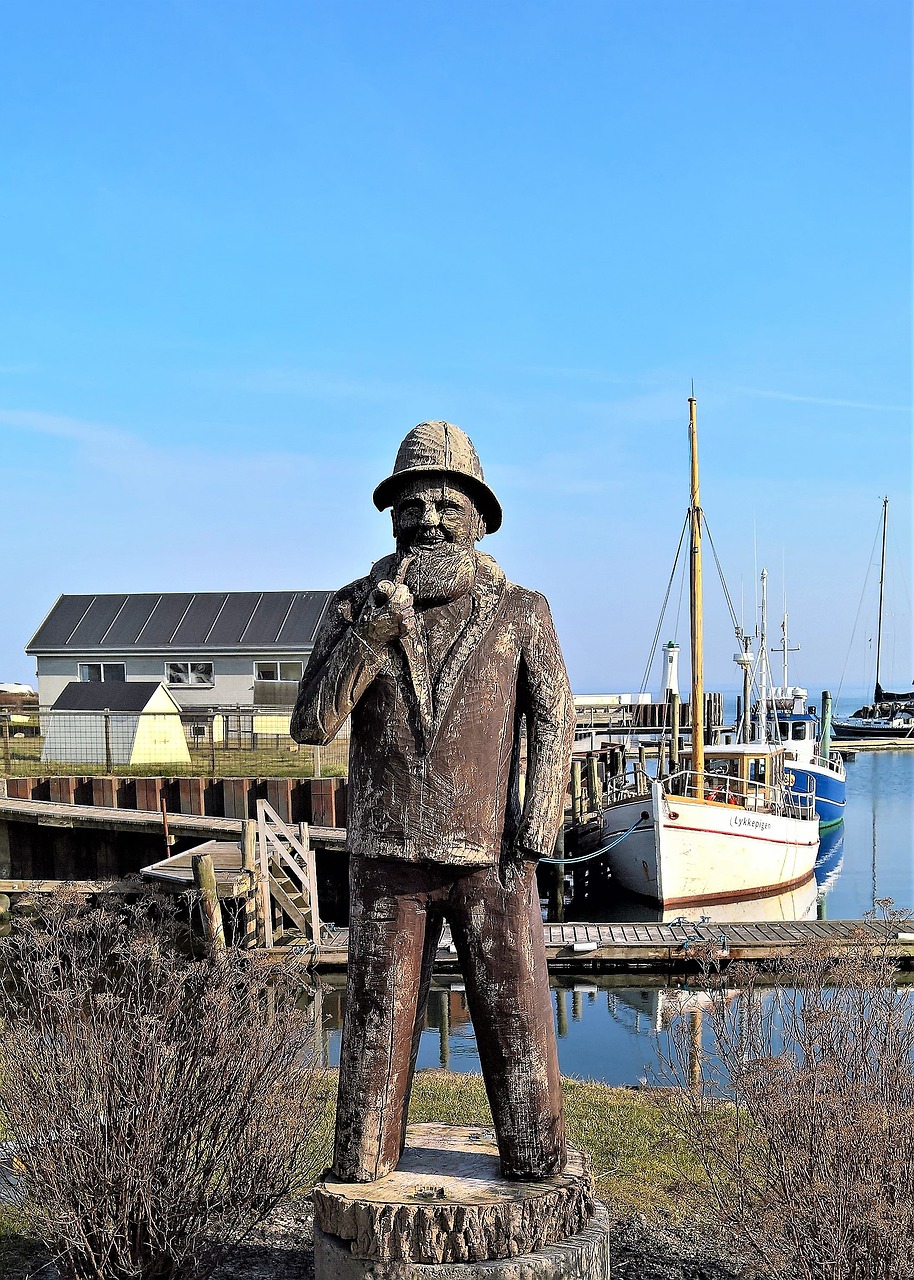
[{"x": 723, "y": 825}]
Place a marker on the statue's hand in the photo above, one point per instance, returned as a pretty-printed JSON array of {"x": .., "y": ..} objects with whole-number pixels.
[{"x": 388, "y": 613}]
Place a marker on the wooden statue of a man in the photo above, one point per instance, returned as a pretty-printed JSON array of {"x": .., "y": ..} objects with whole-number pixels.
[{"x": 439, "y": 660}]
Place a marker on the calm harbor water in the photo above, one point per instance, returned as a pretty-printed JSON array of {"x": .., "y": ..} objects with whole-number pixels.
[{"x": 606, "y": 1023}]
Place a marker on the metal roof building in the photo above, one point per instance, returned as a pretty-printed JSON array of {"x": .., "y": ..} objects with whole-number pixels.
[{"x": 212, "y": 648}]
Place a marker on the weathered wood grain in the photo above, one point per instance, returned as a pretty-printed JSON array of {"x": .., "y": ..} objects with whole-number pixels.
[{"x": 447, "y": 1202}]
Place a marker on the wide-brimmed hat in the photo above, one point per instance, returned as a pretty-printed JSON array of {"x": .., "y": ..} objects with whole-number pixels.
[{"x": 443, "y": 449}]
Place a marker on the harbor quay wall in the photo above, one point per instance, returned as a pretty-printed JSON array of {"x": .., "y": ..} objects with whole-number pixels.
[{"x": 82, "y": 845}]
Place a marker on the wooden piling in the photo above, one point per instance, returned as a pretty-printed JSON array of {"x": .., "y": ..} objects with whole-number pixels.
[
  {"x": 205, "y": 880},
  {"x": 674, "y": 732},
  {"x": 253, "y": 929},
  {"x": 555, "y": 910},
  {"x": 169, "y": 840},
  {"x": 577, "y": 808},
  {"x": 594, "y": 790},
  {"x": 642, "y": 768}
]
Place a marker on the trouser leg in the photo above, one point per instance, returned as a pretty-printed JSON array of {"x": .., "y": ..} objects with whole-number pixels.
[
  {"x": 498, "y": 931},
  {"x": 386, "y": 935},
  {"x": 433, "y": 924}
]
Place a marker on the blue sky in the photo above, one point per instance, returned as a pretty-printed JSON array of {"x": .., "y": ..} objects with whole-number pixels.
[{"x": 246, "y": 247}]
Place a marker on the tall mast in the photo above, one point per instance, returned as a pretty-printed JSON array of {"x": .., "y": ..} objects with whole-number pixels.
[
  {"x": 697, "y": 700},
  {"x": 877, "y": 694},
  {"x": 763, "y": 664}
]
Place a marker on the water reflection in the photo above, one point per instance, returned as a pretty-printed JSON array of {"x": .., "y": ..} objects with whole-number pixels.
[
  {"x": 603, "y": 1023},
  {"x": 610, "y": 1027}
]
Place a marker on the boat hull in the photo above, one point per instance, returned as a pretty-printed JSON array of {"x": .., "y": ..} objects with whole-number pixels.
[
  {"x": 874, "y": 729},
  {"x": 688, "y": 852},
  {"x": 830, "y": 789}
]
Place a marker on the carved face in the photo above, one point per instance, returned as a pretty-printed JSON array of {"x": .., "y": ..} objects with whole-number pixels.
[{"x": 429, "y": 513}]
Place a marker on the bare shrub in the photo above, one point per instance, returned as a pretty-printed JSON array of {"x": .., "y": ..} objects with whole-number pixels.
[
  {"x": 803, "y": 1106},
  {"x": 160, "y": 1106}
]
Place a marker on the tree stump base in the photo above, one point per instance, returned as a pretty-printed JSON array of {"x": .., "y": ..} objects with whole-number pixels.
[{"x": 447, "y": 1213}]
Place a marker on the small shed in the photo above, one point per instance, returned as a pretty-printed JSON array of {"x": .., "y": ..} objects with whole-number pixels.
[{"x": 115, "y": 723}]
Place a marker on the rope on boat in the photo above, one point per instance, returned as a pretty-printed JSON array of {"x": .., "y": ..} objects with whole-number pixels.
[{"x": 595, "y": 853}]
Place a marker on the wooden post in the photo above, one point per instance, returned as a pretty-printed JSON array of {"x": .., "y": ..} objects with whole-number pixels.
[
  {"x": 316, "y": 767},
  {"x": 674, "y": 732},
  {"x": 594, "y": 796},
  {"x": 212, "y": 744},
  {"x": 661, "y": 757},
  {"x": 107, "y": 719},
  {"x": 205, "y": 880},
  {"x": 576, "y": 797},
  {"x": 253, "y": 927},
  {"x": 555, "y": 911},
  {"x": 642, "y": 768},
  {"x": 169, "y": 840},
  {"x": 264, "y": 904},
  {"x": 7, "y": 755}
]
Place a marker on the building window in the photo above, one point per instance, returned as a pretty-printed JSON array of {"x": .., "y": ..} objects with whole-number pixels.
[
  {"x": 278, "y": 671},
  {"x": 189, "y": 672},
  {"x": 94, "y": 672}
]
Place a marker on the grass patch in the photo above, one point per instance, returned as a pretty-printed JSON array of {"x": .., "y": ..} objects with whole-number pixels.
[{"x": 640, "y": 1163}]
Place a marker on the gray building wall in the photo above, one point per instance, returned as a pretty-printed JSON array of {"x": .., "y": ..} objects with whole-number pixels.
[{"x": 233, "y": 676}]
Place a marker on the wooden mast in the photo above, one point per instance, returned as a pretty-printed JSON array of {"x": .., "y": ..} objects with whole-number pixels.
[
  {"x": 697, "y": 699},
  {"x": 877, "y": 692}
]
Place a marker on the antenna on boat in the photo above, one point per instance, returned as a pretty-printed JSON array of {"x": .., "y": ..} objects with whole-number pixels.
[{"x": 785, "y": 650}]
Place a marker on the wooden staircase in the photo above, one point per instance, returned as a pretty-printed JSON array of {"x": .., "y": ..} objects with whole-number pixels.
[{"x": 287, "y": 866}]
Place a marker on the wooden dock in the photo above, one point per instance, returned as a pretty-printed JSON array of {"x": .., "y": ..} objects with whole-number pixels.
[
  {"x": 646, "y": 947},
  {"x": 650, "y": 947}
]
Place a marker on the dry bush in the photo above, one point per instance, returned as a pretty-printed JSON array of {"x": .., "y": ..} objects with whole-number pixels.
[
  {"x": 160, "y": 1106},
  {"x": 804, "y": 1109}
]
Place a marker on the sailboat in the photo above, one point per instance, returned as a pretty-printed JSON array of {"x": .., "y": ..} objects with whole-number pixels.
[
  {"x": 723, "y": 825},
  {"x": 891, "y": 715}
]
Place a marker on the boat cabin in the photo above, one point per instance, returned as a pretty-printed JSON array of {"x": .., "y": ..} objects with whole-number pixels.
[
  {"x": 750, "y": 773},
  {"x": 799, "y": 734}
]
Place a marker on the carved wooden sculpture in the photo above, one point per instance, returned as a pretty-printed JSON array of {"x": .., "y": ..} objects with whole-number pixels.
[{"x": 437, "y": 658}]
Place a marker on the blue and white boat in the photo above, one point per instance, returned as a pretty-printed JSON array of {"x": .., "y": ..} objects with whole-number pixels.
[{"x": 808, "y": 757}]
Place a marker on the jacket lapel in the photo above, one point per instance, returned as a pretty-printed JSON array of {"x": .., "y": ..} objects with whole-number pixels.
[
  {"x": 488, "y": 592},
  {"x": 417, "y": 666}
]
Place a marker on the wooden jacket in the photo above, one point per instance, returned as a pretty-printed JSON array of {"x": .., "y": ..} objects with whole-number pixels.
[{"x": 434, "y": 769}]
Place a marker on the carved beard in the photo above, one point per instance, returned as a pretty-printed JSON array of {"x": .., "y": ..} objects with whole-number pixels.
[{"x": 439, "y": 574}]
